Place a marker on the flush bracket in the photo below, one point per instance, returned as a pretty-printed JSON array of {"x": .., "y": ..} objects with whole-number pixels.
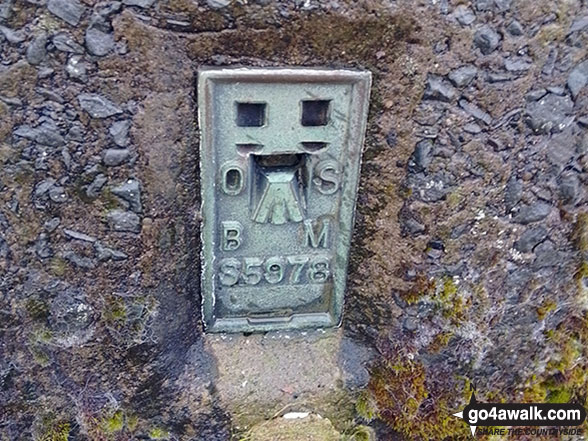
[{"x": 280, "y": 154}]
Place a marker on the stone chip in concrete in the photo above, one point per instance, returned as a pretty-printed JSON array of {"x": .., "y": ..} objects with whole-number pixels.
[
  {"x": 114, "y": 157},
  {"x": 530, "y": 238},
  {"x": 97, "y": 106},
  {"x": 64, "y": 42},
  {"x": 120, "y": 220},
  {"x": 532, "y": 213},
  {"x": 549, "y": 114},
  {"x": 37, "y": 49},
  {"x": 578, "y": 78},
  {"x": 438, "y": 88},
  {"x": 119, "y": 130},
  {"x": 98, "y": 42},
  {"x": 462, "y": 76},
  {"x": 139, "y": 3},
  {"x": 486, "y": 39},
  {"x": 70, "y": 11},
  {"x": 130, "y": 192}
]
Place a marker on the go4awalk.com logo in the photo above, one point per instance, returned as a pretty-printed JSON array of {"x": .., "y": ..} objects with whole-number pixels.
[{"x": 503, "y": 418}]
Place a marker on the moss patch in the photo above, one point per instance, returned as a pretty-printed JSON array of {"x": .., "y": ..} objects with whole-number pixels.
[
  {"x": 58, "y": 266},
  {"x": 157, "y": 433},
  {"x": 111, "y": 424},
  {"x": 581, "y": 278},
  {"x": 580, "y": 233},
  {"x": 421, "y": 287},
  {"x": 404, "y": 391},
  {"x": 54, "y": 430},
  {"x": 37, "y": 345},
  {"x": 547, "y": 306}
]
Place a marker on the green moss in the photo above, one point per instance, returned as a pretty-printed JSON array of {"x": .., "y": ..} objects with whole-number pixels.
[
  {"x": 40, "y": 356},
  {"x": 534, "y": 391},
  {"x": 60, "y": 432},
  {"x": 449, "y": 290},
  {"x": 454, "y": 198},
  {"x": 37, "y": 308},
  {"x": 400, "y": 388},
  {"x": 54, "y": 430},
  {"x": 421, "y": 287},
  {"x": 546, "y": 307},
  {"x": 559, "y": 395},
  {"x": 127, "y": 319},
  {"x": 440, "y": 341},
  {"x": 109, "y": 201},
  {"x": 114, "y": 311},
  {"x": 113, "y": 423},
  {"x": 132, "y": 422},
  {"x": 547, "y": 390},
  {"x": 566, "y": 375},
  {"x": 366, "y": 407},
  {"x": 38, "y": 340},
  {"x": 157, "y": 433},
  {"x": 58, "y": 266},
  {"x": 450, "y": 302},
  {"x": 359, "y": 433},
  {"x": 569, "y": 351},
  {"x": 580, "y": 232},
  {"x": 404, "y": 192},
  {"x": 42, "y": 335}
]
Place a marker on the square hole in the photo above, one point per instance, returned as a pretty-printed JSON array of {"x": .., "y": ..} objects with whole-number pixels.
[
  {"x": 315, "y": 113},
  {"x": 250, "y": 114}
]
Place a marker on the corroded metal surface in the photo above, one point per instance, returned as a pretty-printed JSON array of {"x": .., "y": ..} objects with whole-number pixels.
[{"x": 280, "y": 157}]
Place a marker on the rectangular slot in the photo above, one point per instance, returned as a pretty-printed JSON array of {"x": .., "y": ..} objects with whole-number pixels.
[
  {"x": 313, "y": 146},
  {"x": 250, "y": 114},
  {"x": 283, "y": 160},
  {"x": 315, "y": 113},
  {"x": 249, "y": 148}
]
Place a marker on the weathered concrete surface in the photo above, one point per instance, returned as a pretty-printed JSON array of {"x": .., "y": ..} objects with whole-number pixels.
[
  {"x": 469, "y": 262},
  {"x": 265, "y": 375},
  {"x": 310, "y": 428}
]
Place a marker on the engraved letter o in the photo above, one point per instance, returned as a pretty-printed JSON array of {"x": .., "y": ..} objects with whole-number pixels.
[{"x": 232, "y": 179}]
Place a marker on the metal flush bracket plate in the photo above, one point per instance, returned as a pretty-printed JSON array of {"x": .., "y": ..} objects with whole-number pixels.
[{"x": 280, "y": 154}]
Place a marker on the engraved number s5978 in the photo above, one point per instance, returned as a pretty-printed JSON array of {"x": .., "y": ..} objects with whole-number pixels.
[{"x": 273, "y": 270}]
